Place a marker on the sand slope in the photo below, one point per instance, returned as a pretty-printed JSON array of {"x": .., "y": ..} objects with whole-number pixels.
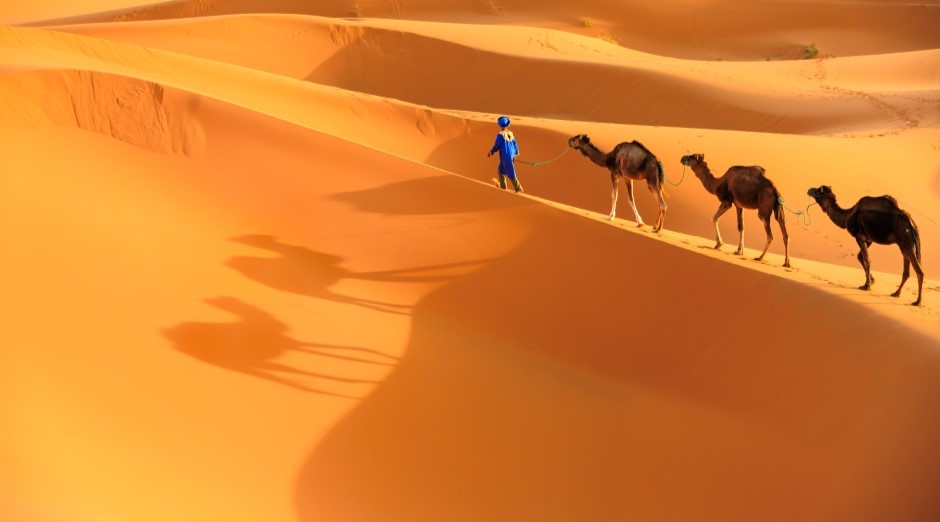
[{"x": 257, "y": 269}]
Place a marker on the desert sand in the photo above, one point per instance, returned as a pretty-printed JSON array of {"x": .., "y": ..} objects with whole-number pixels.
[{"x": 256, "y": 267}]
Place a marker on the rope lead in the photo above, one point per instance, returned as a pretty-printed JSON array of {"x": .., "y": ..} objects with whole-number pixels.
[
  {"x": 807, "y": 220},
  {"x": 537, "y": 163},
  {"x": 680, "y": 178}
]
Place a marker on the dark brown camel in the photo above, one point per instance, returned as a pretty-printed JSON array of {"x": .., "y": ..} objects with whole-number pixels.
[
  {"x": 631, "y": 161},
  {"x": 743, "y": 187},
  {"x": 876, "y": 220}
]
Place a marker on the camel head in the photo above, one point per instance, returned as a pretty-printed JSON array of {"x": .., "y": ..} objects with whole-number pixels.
[
  {"x": 821, "y": 193},
  {"x": 576, "y": 142},
  {"x": 692, "y": 159}
]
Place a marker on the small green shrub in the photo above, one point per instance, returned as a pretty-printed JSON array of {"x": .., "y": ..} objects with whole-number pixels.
[{"x": 810, "y": 51}]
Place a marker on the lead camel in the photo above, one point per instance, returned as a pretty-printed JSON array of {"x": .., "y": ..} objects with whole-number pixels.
[
  {"x": 630, "y": 161},
  {"x": 876, "y": 220}
]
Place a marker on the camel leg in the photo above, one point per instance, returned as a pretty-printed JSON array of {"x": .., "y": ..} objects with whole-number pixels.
[
  {"x": 910, "y": 258},
  {"x": 613, "y": 202},
  {"x": 770, "y": 238},
  {"x": 721, "y": 210},
  {"x": 906, "y": 273},
  {"x": 920, "y": 278},
  {"x": 639, "y": 220},
  {"x": 740, "y": 213},
  {"x": 782, "y": 221},
  {"x": 658, "y": 192},
  {"x": 866, "y": 265}
]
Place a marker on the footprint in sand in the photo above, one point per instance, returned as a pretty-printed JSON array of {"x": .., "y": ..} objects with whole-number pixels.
[{"x": 906, "y": 121}]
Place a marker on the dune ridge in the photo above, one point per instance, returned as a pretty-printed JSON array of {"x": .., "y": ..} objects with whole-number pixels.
[
  {"x": 257, "y": 268},
  {"x": 124, "y": 108},
  {"x": 675, "y": 93},
  {"x": 853, "y": 158},
  {"x": 734, "y": 30}
]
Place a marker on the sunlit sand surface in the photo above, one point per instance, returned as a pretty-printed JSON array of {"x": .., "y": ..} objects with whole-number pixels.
[{"x": 256, "y": 267}]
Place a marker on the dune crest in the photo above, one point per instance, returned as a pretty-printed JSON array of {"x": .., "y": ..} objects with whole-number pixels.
[
  {"x": 403, "y": 60},
  {"x": 127, "y": 109}
]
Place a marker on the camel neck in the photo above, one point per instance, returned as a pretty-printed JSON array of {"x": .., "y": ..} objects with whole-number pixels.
[
  {"x": 596, "y": 155},
  {"x": 704, "y": 174},
  {"x": 837, "y": 214}
]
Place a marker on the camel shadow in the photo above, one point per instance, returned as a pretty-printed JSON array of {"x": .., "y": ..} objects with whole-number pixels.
[
  {"x": 303, "y": 271},
  {"x": 252, "y": 343}
]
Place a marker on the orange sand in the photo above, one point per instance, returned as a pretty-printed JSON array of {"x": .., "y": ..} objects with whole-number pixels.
[{"x": 256, "y": 268}]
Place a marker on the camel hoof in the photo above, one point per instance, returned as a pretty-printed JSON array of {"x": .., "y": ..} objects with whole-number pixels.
[
  {"x": 717, "y": 246},
  {"x": 640, "y": 224},
  {"x": 865, "y": 287},
  {"x": 787, "y": 265},
  {"x": 896, "y": 294},
  {"x": 916, "y": 303}
]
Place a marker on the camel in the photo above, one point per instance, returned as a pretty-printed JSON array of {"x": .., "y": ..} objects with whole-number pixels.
[
  {"x": 745, "y": 188},
  {"x": 876, "y": 220},
  {"x": 631, "y": 161}
]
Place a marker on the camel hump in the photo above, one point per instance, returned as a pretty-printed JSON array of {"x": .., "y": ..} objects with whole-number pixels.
[
  {"x": 640, "y": 145},
  {"x": 885, "y": 202},
  {"x": 752, "y": 171}
]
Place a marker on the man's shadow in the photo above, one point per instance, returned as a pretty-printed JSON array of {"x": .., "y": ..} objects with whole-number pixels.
[
  {"x": 303, "y": 271},
  {"x": 251, "y": 344}
]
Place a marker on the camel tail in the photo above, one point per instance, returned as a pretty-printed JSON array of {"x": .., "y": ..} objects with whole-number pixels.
[
  {"x": 915, "y": 235},
  {"x": 662, "y": 177},
  {"x": 778, "y": 207}
]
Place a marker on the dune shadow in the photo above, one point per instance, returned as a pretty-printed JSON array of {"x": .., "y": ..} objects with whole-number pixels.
[
  {"x": 422, "y": 196},
  {"x": 251, "y": 344},
  {"x": 519, "y": 381}
]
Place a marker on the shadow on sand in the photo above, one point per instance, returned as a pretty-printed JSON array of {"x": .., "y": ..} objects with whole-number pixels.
[
  {"x": 422, "y": 197},
  {"x": 251, "y": 344},
  {"x": 310, "y": 273},
  {"x": 300, "y": 270},
  {"x": 550, "y": 386}
]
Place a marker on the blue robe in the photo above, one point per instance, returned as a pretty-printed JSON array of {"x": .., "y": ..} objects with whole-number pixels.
[{"x": 508, "y": 149}]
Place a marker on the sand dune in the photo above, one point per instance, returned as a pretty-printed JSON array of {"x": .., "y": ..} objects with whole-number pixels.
[
  {"x": 406, "y": 61},
  {"x": 257, "y": 268},
  {"x": 696, "y": 29},
  {"x": 847, "y": 159}
]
